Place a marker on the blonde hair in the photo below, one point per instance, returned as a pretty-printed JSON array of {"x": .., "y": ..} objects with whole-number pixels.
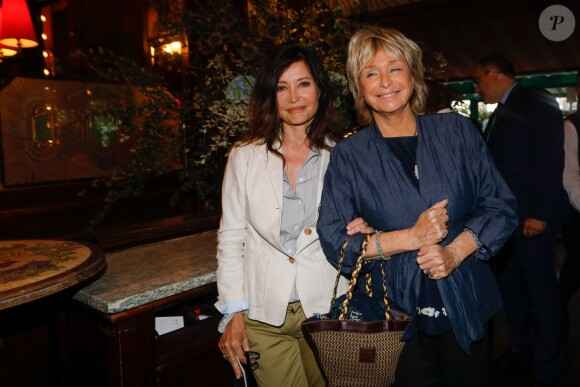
[{"x": 362, "y": 48}]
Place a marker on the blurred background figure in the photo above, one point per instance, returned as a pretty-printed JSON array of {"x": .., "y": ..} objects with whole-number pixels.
[
  {"x": 525, "y": 137},
  {"x": 570, "y": 273}
]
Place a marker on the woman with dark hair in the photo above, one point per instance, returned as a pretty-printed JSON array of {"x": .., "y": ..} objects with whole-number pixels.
[
  {"x": 441, "y": 209},
  {"x": 272, "y": 273}
]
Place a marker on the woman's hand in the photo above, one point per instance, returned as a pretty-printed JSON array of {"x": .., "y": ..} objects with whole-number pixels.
[
  {"x": 439, "y": 262},
  {"x": 436, "y": 261},
  {"x": 234, "y": 342},
  {"x": 358, "y": 225},
  {"x": 431, "y": 227}
]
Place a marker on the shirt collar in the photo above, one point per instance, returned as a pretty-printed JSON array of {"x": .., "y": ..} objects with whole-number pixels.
[{"x": 505, "y": 95}]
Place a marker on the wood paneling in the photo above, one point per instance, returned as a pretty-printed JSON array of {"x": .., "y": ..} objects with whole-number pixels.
[{"x": 466, "y": 30}]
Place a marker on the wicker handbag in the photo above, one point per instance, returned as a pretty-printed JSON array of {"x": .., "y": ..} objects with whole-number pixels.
[{"x": 356, "y": 353}]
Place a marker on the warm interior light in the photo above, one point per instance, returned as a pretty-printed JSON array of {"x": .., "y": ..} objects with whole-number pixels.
[
  {"x": 5, "y": 51},
  {"x": 172, "y": 48},
  {"x": 17, "y": 30},
  {"x": 176, "y": 47}
]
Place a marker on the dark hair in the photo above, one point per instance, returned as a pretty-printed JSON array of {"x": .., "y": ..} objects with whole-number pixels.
[
  {"x": 264, "y": 121},
  {"x": 499, "y": 62}
]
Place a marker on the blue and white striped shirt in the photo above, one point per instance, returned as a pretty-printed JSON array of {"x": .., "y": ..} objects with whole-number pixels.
[{"x": 299, "y": 208}]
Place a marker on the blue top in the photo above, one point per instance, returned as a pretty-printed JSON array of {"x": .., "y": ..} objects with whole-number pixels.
[
  {"x": 431, "y": 314},
  {"x": 364, "y": 178}
]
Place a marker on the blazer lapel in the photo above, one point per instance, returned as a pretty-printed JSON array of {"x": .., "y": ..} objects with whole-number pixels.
[
  {"x": 494, "y": 121},
  {"x": 324, "y": 159},
  {"x": 305, "y": 240},
  {"x": 274, "y": 169},
  {"x": 501, "y": 111},
  {"x": 273, "y": 172}
]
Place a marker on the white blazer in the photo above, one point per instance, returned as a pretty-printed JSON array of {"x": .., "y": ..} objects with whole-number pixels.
[{"x": 252, "y": 264}]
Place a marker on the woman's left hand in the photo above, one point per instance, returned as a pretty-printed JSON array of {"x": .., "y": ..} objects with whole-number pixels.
[
  {"x": 234, "y": 342},
  {"x": 436, "y": 261},
  {"x": 358, "y": 225}
]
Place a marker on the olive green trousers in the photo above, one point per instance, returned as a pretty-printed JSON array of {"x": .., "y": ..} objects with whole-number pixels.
[{"x": 286, "y": 359}]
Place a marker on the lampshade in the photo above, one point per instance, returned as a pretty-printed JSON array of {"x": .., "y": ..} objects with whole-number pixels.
[
  {"x": 5, "y": 51},
  {"x": 17, "y": 30}
]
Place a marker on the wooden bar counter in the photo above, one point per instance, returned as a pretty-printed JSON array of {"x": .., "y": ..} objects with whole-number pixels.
[{"x": 111, "y": 322}]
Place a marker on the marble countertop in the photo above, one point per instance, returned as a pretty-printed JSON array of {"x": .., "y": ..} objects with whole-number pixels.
[{"x": 143, "y": 274}]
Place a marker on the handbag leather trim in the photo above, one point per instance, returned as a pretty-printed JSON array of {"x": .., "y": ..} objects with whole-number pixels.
[
  {"x": 367, "y": 354},
  {"x": 356, "y": 326}
]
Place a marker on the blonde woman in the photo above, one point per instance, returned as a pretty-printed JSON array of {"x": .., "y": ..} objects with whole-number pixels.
[{"x": 441, "y": 210}]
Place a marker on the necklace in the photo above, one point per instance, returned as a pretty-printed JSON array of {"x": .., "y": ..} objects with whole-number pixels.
[{"x": 416, "y": 170}]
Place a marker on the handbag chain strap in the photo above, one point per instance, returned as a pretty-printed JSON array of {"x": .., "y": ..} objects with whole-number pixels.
[
  {"x": 354, "y": 279},
  {"x": 340, "y": 260},
  {"x": 385, "y": 300}
]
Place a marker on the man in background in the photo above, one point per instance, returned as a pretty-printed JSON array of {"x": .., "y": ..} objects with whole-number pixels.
[
  {"x": 570, "y": 273},
  {"x": 525, "y": 136}
]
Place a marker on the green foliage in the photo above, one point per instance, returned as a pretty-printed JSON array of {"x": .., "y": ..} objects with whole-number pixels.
[
  {"x": 146, "y": 114},
  {"x": 229, "y": 47},
  {"x": 189, "y": 125},
  {"x": 463, "y": 108},
  {"x": 191, "y": 128}
]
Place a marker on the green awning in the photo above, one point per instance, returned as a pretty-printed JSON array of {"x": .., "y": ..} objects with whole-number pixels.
[{"x": 554, "y": 80}]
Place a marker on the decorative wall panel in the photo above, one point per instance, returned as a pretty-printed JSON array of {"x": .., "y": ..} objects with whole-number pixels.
[{"x": 47, "y": 135}]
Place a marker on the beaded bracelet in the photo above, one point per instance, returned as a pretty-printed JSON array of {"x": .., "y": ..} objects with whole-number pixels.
[
  {"x": 379, "y": 250},
  {"x": 476, "y": 238}
]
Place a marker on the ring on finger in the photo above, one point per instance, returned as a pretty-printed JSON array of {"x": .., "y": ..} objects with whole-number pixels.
[
  {"x": 226, "y": 357},
  {"x": 429, "y": 273}
]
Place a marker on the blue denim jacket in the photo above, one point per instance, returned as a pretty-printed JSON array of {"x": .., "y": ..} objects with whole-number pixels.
[{"x": 364, "y": 179}]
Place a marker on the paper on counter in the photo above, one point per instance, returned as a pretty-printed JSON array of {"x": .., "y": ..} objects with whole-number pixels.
[{"x": 168, "y": 324}]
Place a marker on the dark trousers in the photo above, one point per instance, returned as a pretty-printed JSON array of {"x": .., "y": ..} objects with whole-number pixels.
[
  {"x": 439, "y": 361},
  {"x": 570, "y": 273},
  {"x": 527, "y": 281}
]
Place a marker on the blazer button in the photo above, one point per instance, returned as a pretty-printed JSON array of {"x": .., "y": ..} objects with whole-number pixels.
[
  {"x": 307, "y": 231},
  {"x": 291, "y": 259}
]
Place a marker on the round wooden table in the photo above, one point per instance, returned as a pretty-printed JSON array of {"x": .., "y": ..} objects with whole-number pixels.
[{"x": 33, "y": 269}]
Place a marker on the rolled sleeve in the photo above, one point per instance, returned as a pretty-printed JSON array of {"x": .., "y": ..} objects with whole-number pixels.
[{"x": 494, "y": 216}]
